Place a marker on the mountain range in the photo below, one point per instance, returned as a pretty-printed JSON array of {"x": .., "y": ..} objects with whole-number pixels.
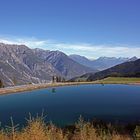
[
  {"x": 101, "y": 63},
  {"x": 126, "y": 69},
  {"x": 21, "y": 65}
]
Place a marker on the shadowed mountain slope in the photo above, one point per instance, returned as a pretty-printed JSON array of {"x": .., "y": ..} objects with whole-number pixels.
[{"x": 127, "y": 69}]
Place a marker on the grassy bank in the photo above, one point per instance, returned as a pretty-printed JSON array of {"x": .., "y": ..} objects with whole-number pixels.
[
  {"x": 109, "y": 80},
  {"x": 37, "y": 129},
  {"x": 120, "y": 80}
]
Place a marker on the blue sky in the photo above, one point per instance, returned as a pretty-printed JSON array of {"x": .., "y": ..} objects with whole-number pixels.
[{"x": 92, "y": 28}]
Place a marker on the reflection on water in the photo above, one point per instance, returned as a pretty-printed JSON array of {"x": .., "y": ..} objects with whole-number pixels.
[
  {"x": 53, "y": 90},
  {"x": 102, "y": 84}
]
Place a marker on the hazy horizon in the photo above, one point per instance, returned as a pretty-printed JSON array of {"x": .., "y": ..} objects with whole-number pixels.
[{"x": 93, "y": 58}]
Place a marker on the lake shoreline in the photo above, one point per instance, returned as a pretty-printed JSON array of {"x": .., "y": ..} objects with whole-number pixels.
[{"x": 24, "y": 88}]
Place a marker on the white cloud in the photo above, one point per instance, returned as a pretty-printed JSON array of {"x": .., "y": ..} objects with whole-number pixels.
[
  {"x": 31, "y": 42},
  {"x": 94, "y": 51},
  {"x": 88, "y": 50}
]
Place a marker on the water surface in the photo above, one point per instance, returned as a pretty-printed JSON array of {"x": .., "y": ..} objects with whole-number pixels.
[{"x": 64, "y": 105}]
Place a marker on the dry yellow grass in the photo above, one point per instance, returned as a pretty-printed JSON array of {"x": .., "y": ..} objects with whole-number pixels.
[{"x": 36, "y": 129}]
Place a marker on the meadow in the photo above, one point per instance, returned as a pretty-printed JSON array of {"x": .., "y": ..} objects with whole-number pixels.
[{"x": 119, "y": 80}]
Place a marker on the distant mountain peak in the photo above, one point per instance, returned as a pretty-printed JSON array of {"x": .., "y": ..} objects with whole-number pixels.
[
  {"x": 76, "y": 55},
  {"x": 133, "y": 58},
  {"x": 100, "y": 63}
]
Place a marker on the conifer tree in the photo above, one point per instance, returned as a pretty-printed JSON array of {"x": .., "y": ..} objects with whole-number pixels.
[{"x": 1, "y": 84}]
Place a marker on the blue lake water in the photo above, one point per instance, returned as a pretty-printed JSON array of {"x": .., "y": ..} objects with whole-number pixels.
[{"x": 64, "y": 105}]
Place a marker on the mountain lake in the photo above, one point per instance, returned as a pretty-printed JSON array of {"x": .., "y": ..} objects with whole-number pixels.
[{"x": 63, "y": 105}]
